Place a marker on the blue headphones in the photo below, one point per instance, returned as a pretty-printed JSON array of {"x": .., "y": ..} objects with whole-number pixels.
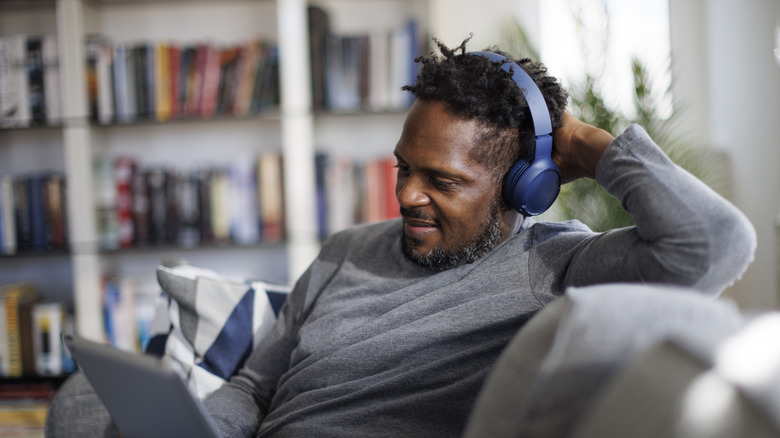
[{"x": 534, "y": 181}]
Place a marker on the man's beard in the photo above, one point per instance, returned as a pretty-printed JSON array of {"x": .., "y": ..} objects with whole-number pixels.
[{"x": 440, "y": 259}]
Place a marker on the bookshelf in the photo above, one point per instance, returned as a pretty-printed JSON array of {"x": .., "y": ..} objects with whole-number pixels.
[{"x": 294, "y": 128}]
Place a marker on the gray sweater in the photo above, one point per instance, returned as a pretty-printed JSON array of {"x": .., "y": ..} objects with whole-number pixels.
[{"x": 369, "y": 344}]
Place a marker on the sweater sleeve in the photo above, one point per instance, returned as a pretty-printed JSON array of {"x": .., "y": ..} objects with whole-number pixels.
[
  {"x": 684, "y": 234},
  {"x": 240, "y": 405}
]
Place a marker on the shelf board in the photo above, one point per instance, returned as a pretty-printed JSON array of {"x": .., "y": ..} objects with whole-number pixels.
[{"x": 156, "y": 249}]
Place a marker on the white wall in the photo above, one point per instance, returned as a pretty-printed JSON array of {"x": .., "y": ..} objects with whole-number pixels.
[
  {"x": 727, "y": 76},
  {"x": 451, "y": 21}
]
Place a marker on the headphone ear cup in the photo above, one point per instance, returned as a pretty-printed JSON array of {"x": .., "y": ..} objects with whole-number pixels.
[{"x": 531, "y": 187}]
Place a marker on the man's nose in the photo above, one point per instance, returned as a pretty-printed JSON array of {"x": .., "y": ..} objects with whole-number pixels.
[{"x": 410, "y": 191}]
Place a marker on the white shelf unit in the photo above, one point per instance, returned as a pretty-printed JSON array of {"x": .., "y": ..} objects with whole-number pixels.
[{"x": 295, "y": 129}]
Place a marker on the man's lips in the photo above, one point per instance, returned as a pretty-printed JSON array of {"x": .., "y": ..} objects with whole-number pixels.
[{"x": 418, "y": 229}]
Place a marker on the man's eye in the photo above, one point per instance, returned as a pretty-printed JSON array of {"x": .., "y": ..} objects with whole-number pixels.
[
  {"x": 402, "y": 168},
  {"x": 441, "y": 183}
]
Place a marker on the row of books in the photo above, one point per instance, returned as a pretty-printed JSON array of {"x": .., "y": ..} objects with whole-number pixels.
[
  {"x": 32, "y": 213},
  {"x": 351, "y": 192},
  {"x": 24, "y": 404},
  {"x": 30, "y": 343},
  {"x": 29, "y": 81},
  {"x": 241, "y": 203},
  {"x": 167, "y": 80},
  {"x": 361, "y": 72},
  {"x": 129, "y": 304}
]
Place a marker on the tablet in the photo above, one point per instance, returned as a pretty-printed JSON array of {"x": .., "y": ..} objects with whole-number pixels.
[{"x": 145, "y": 395}]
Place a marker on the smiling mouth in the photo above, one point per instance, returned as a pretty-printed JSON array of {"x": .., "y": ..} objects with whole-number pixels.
[{"x": 418, "y": 229}]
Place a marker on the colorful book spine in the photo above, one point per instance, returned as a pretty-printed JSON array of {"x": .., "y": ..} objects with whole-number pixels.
[
  {"x": 48, "y": 320},
  {"x": 16, "y": 298}
]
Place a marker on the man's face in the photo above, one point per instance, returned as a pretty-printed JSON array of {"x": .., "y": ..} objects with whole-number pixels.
[{"x": 450, "y": 204}]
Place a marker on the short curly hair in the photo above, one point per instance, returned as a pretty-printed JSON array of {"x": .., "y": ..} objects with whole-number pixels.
[{"x": 475, "y": 88}]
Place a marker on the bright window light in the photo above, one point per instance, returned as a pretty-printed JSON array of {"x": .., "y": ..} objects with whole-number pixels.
[{"x": 600, "y": 38}]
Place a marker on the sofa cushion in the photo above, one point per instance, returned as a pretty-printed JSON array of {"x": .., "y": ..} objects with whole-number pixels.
[
  {"x": 550, "y": 372},
  {"x": 209, "y": 323}
]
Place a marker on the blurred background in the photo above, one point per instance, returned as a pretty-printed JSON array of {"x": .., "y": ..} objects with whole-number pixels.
[{"x": 236, "y": 135}]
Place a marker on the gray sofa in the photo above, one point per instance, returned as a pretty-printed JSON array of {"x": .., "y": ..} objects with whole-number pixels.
[{"x": 605, "y": 361}]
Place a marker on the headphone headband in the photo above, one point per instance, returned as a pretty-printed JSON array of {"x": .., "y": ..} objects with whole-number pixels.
[{"x": 536, "y": 103}]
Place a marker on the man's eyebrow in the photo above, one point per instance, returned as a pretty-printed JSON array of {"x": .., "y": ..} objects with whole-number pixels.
[{"x": 435, "y": 171}]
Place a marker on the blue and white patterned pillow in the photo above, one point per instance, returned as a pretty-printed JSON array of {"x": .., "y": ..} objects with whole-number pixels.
[{"x": 209, "y": 324}]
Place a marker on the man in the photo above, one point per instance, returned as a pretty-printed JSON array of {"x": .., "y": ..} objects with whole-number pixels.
[{"x": 395, "y": 326}]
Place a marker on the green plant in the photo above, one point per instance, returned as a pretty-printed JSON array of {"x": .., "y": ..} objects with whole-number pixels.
[{"x": 584, "y": 199}]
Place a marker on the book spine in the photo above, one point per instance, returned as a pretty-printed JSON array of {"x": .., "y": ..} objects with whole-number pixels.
[
  {"x": 36, "y": 204},
  {"x": 162, "y": 82},
  {"x": 124, "y": 168},
  {"x": 389, "y": 173},
  {"x": 140, "y": 207},
  {"x": 22, "y": 115},
  {"x": 8, "y": 215},
  {"x": 35, "y": 80},
  {"x": 271, "y": 189},
  {"x": 105, "y": 83},
  {"x": 156, "y": 181},
  {"x": 51, "y": 79},
  {"x": 54, "y": 210},
  {"x": 15, "y": 296},
  {"x": 8, "y": 90},
  {"x": 22, "y": 214},
  {"x": 47, "y": 324},
  {"x": 174, "y": 66}
]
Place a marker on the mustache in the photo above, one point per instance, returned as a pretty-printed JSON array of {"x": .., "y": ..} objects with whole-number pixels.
[{"x": 416, "y": 213}]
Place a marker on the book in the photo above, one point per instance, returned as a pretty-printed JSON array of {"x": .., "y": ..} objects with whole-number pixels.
[
  {"x": 247, "y": 75},
  {"x": 203, "y": 178},
  {"x": 270, "y": 189},
  {"x": 391, "y": 209},
  {"x": 51, "y": 80},
  {"x": 18, "y": 108},
  {"x": 122, "y": 96},
  {"x": 319, "y": 28},
  {"x": 48, "y": 321},
  {"x": 320, "y": 194},
  {"x": 17, "y": 300},
  {"x": 106, "y": 204},
  {"x": 157, "y": 186},
  {"x": 175, "y": 77},
  {"x": 7, "y": 215},
  {"x": 144, "y": 88},
  {"x": 5, "y": 358},
  {"x": 140, "y": 208},
  {"x": 118, "y": 313},
  {"x": 8, "y": 87},
  {"x": 379, "y": 71},
  {"x": 229, "y": 59},
  {"x": 162, "y": 81},
  {"x": 189, "y": 234},
  {"x": 39, "y": 232},
  {"x": 266, "y": 92},
  {"x": 220, "y": 208},
  {"x": 22, "y": 214},
  {"x": 244, "y": 219},
  {"x": 340, "y": 193},
  {"x": 100, "y": 79},
  {"x": 124, "y": 169},
  {"x": 402, "y": 65},
  {"x": 211, "y": 77},
  {"x": 54, "y": 211},
  {"x": 36, "y": 91}
]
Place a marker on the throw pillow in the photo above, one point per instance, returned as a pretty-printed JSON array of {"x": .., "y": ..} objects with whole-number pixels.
[{"x": 209, "y": 324}]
